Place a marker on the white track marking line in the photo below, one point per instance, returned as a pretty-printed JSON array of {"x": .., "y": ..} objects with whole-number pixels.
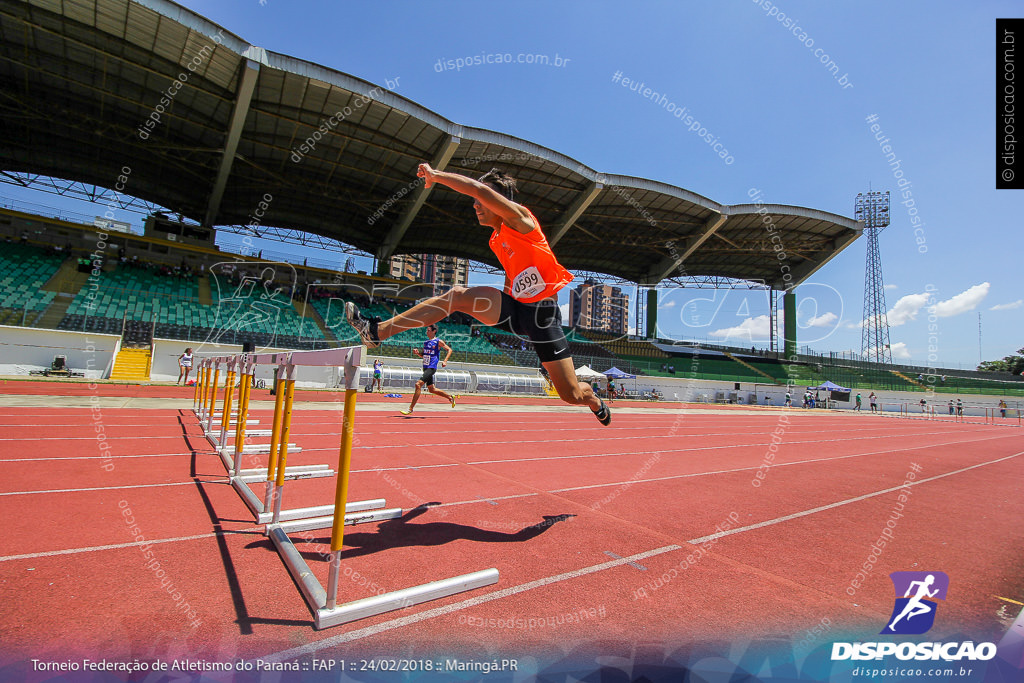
[
  {"x": 795, "y": 515},
  {"x": 104, "y": 488},
  {"x": 90, "y": 549}
]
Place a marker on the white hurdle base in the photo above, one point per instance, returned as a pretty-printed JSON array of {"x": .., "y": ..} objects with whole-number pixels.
[
  {"x": 316, "y": 596},
  {"x": 290, "y": 474},
  {"x": 327, "y": 521},
  {"x": 253, "y": 448},
  {"x": 263, "y": 516},
  {"x": 400, "y": 599}
]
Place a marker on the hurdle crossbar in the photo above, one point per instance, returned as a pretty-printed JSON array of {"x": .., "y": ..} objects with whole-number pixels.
[{"x": 323, "y": 603}]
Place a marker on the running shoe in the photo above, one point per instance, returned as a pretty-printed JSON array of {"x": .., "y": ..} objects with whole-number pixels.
[
  {"x": 453, "y": 401},
  {"x": 405, "y": 411},
  {"x": 603, "y": 414},
  {"x": 366, "y": 327}
]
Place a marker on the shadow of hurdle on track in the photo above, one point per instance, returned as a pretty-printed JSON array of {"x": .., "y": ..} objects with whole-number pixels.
[{"x": 399, "y": 533}]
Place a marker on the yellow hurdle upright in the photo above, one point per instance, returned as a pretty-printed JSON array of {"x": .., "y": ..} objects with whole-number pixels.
[
  {"x": 212, "y": 400},
  {"x": 243, "y": 412},
  {"x": 344, "y": 465},
  {"x": 199, "y": 382},
  {"x": 275, "y": 443},
  {"x": 229, "y": 393},
  {"x": 286, "y": 424}
]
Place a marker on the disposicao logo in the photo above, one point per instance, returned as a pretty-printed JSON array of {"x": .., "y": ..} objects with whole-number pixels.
[{"x": 913, "y": 613}]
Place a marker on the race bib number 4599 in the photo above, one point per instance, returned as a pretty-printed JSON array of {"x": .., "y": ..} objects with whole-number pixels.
[{"x": 528, "y": 283}]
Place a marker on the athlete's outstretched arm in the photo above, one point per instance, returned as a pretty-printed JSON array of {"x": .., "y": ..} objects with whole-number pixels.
[{"x": 513, "y": 215}]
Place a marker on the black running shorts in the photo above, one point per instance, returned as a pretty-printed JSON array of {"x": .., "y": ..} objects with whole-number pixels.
[
  {"x": 428, "y": 376},
  {"x": 539, "y": 322}
]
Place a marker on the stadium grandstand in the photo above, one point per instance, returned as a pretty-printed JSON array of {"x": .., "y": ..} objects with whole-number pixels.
[{"x": 245, "y": 102}]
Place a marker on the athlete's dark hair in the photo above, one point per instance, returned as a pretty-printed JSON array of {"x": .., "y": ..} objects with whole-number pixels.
[{"x": 502, "y": 182}]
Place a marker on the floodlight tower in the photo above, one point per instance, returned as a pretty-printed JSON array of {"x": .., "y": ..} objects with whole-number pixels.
[{"x": 873, "y": 209}]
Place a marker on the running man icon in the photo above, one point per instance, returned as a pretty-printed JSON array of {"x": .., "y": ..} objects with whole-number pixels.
[{"x": 916, "y": 608}]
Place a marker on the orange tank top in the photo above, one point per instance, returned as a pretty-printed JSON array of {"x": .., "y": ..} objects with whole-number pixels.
[{"x": 531, "y": 266}]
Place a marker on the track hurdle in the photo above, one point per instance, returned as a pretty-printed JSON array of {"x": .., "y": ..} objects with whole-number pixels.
[
  {"x": 243, "y": 367},
  {"x": 323, "y": 603}
]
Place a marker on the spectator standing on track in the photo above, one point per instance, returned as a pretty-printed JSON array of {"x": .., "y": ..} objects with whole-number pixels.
[
  {"x": 184, "y": 365},
  {"x": 924, "y": 403},
  {"x": 789, "y": 400},
  {"x": 960, "y": 407},
  {"x": 1002, "y": 408},
  {"x": 873, "y": 401},
  {"x": 378, "y": 376},
  {"x": 857, "y": 407},
  {"x": 611, "y": 388},
  {"x": 950, "y": 406}
]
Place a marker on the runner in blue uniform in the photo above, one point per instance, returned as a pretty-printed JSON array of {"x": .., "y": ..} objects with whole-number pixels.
[{"x": 431, "y": 354}]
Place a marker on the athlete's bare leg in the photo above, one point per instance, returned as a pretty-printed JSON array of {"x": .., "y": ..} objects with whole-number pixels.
[
  {"x": 483, "y": 303},
  {"x": 438, "y": 392},
  {"x": 570, "y": 389},
  {"x": 416, "y": 394}
]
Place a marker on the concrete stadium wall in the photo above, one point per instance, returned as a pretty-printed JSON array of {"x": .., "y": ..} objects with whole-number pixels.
[{"x": 26, "y": 349}]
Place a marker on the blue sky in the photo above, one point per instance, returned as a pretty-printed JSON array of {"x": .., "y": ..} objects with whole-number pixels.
[{"x": 925, "y": 69}]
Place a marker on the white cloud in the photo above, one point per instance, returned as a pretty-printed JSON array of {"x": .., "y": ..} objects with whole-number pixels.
[
  {"x": 750, "y": 329},
  {"x": 899, "y": 351},
  {"x": 564, "y": 308},
  {"x": 906, "y": 309},
  {"x": 889, "y": 287},
  {"x": 1008, "y": 307},
  {"x": 826, "y": 320},
  {"x": 668, "y": 304},
  {"x": 963, "y": 302}
]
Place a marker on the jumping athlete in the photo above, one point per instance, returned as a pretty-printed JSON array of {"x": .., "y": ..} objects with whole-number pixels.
[
  {"x": 527, "y": 307},
  {"x": 431, "y": 353}
]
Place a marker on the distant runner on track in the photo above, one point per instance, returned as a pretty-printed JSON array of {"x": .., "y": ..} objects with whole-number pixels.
[
  {"x": 528, "y": 306},
  {"x": 431, "y": 353}
]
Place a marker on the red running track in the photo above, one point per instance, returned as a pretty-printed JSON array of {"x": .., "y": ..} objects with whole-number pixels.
[{"x": 666, "y": 528}]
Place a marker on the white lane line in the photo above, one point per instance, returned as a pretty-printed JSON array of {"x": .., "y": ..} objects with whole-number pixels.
[
  {"x": 795, "y": 515},
  {"x": 133, "y": 437},
  {"x": 759, "y": 465},
  {"x": 458, "y": 606},
  {"x": 100, "y": 457},
  {"x": 105, "y": 488},
  {"x": 115, "y": 546}
]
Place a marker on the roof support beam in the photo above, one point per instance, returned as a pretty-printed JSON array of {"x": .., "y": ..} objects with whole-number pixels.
[
  {"x": 573, "y": 213},
  {"x": 397, "y": 232},
  {"x": 808, "y": 268},
  {"x": 667, "y": 265},
  {"x": 246, "y": 87}
]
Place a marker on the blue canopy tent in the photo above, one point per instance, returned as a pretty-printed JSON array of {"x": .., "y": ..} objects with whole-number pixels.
[
  {"x": 615, "y": 373},
  {"x": 829, "y": 386},
  {"x": 836, "y": 392}
]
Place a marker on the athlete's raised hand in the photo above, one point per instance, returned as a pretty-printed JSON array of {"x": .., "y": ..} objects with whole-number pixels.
[{"x": 424, "y": 171}]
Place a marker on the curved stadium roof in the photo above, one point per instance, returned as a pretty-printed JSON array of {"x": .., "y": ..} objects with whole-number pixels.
[{"x": 81, "y": 77}]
